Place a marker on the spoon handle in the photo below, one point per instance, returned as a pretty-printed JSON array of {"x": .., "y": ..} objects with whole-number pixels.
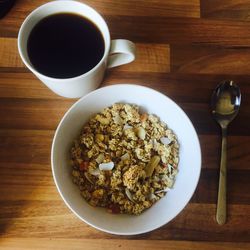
[{"x": 221, "y": 212}]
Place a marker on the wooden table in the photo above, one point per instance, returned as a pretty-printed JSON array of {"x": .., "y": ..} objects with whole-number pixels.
[{"x": 184, "y": 48}]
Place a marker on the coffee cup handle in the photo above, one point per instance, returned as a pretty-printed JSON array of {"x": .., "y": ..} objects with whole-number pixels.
[{"x": 121, "y": 52}]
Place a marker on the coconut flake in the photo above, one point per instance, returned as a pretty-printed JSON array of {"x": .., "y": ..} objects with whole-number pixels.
[
  {"x": 117, "y": 119},
  {"x": 95, "y": 172},
  {"x": 165, "y": 140},
  {"x": 152, "y": 196},
  {"x": 129, "y": 195},
  {"x": 170, "y": 167},
  {"x": 174, "y": 172},
  {"x": 163, "y": 190},
  {"x": 87, "y": 177},
  {"x": 126, "y": 126},
  {"x": 106, "y": 166},
  {"x": 171, "y": 182},
  {"x": 125, "y": 157},
  {"x": 156, "y": 178},
  {"x": 155, "y": 144},
  {"x": 100, "y": 158},
  {"x": 165, "y": 178}
]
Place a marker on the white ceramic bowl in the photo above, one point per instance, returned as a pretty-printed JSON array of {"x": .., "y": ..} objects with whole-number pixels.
[{"x": 152, "y": 102}]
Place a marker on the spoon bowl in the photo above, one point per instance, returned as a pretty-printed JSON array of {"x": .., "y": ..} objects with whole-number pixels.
[{"x": 225, "y": 103}]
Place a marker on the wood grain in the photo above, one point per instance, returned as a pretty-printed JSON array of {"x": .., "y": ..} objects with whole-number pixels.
[
  {"x": 9, "y": 54},
  {"x": 149, "y": 57},
  {"x": 23, "y": 85},
  {"x": 79, "y": 244},
  {"x": 167, "y": 30},
  {"x": 181, "y": 30},
  {"x": 179, "y": 8},
  {"x": 210, "y": 60},
  {"x": 226, "y": 9},
  {"x": 184, "y": 49},
  {"x": 53, "y": 219}
]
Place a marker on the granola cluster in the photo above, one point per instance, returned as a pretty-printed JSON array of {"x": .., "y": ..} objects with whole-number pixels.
[{"x": 124, "y": 160}]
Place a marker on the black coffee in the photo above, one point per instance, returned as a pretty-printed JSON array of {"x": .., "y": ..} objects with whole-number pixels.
[{"x": 65, "y": 45}]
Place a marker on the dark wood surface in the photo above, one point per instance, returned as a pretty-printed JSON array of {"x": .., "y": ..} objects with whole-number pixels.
[{"x": 185, "y": 48}]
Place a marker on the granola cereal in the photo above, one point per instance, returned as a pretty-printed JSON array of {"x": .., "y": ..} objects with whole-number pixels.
[{"x": 124, "y": 160}]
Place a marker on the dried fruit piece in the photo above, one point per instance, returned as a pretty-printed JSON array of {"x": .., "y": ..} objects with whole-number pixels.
[
  {"x": 114, "y": 209},
  {"x": 84, "y": 166},
  {"x": 154, "y": 161},
  {"x": 144, "y": 117},
  {"x": 164, "y": 165}
]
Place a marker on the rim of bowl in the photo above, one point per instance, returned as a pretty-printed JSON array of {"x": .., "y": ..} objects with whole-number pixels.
[{"x": 137, "y": 231}]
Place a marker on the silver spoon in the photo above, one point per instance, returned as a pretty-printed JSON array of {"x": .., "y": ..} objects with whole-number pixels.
[{"x": 225, "y": 103}]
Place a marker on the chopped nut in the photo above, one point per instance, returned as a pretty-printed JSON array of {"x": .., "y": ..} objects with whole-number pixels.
[
  {"x": 86, "y": 194},
  {"x": 75, "y": 173},
  {"x": 141, "y": 133},
  {"x": 93, "y": 202},
  {"x": 97, "y": 194},
  {"x": 100, "y": 158},
  {"x": 125, "y": 157},
  {"x": 95, "y": 172},
  {"x": 118, "y": 153},
  {"x": 99, "y": 137},
  {"x": 102, "y": 120}
]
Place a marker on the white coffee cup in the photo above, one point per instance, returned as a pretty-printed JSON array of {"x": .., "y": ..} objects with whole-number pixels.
[{"x": 117, "y": 52}]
